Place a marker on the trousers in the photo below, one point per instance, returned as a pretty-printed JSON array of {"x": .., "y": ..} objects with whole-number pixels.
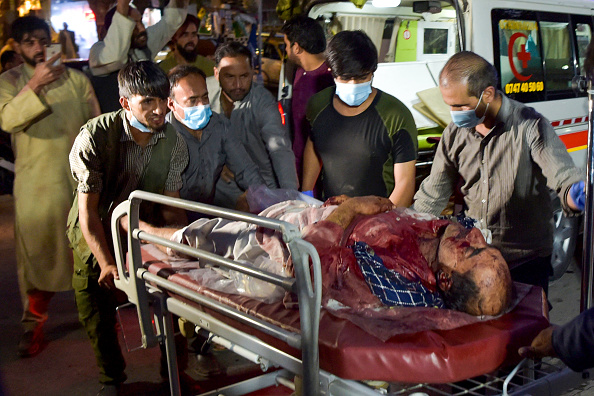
[{"x": 97, "y": 313}]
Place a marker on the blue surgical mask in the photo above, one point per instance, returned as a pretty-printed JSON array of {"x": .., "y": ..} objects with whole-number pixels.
[
  {"x": 353, "y": 94},
  {"x": 468, "y": 118},
  {"x": 196, "y": 117},
  {"x": 136, "y": 124}
]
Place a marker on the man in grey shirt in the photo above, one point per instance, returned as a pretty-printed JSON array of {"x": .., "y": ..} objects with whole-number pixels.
[
  {"x": 508, "y": 157},
  {"x": 210, "y": 145},
  {"x": 255, "y": 122}
]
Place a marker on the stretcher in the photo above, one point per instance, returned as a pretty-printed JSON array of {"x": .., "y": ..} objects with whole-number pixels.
[{"x": 331, "y": 355}]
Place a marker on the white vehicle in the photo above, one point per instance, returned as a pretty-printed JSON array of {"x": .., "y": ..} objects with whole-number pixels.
[{"x": 537, "y": 46}]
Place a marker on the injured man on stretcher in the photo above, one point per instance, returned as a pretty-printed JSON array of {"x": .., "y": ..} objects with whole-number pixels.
[{"x": 372, "y": 256}]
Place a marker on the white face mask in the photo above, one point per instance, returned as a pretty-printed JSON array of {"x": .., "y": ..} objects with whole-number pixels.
[
  {"x": 138, "y": 125},
  {"x": 468, "y": 118},
  {"x": 196, "y": 117},
  {"x": 353, "y": 94}
]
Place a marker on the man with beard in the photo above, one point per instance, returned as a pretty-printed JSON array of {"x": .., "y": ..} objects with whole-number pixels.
[
  {"x": 114, "y": 154},
  {"x": 185, "y": 49},
  {"x": 418, "y": 260},
  {"x": 126, "y": 39},
  {"x": 42, "y": 107},
  {"x": 305, "y": 42},
  {"x": 255, "y": 122}
]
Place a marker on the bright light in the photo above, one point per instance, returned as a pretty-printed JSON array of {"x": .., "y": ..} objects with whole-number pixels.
[
  {"x": 385, "y": 3},
  {"x": 89, "y": 15}
]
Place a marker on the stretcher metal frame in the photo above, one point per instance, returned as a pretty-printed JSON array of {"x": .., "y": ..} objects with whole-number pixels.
[{"x": 145, "y": 290}]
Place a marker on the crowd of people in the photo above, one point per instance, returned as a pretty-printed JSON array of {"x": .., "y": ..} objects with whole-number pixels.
[{"x": 202, "y": 130}]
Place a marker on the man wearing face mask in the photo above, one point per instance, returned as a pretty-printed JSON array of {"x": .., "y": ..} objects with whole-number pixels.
[
  {"x": 210, "y": 145},
  {"x": 508, "y": 157},
  {"x": 113, "y": 155},
  {"x": 363, "y": 141},
  {"x": 126, "y": 39}
]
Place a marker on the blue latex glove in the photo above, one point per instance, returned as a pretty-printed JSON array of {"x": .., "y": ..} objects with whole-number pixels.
[
  {"x": 577, "y": 192},
  {"x": 310, "y": 192}
]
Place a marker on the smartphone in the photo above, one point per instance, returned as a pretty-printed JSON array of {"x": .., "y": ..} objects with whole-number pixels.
[{"x": 52, "y": 50}]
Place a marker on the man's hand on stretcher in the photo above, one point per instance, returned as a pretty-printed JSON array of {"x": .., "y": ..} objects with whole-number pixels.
[
  {"x": 349, "y": 208},
  {"x": 541, "y": 346},
  {"x": 108, "y": 274}
]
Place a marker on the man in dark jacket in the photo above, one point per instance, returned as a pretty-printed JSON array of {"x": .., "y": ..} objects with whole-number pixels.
[{"x": 573, "y": 342}]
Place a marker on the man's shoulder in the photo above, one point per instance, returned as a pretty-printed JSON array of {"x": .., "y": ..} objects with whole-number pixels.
[
  {"x": 105, "y": 122},
  {"x": 319, "y": 101},
  {"x": 212, "y": 84},
  {"x": 390, "y": 104},
  {"x": 11, "y": 76},
  {"x": 520, "y": 112},
  {"x": 260, "y": 92},
  {"x": 77, "y": 76},
  {"x": 205, "y": 64},
  {"x": 168, "y": 63},
  {"x": 218, "y": 123}
]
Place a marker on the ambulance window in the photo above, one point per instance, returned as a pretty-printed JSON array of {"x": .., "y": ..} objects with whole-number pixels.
[
  {"x": 519, "y": 62},
  {"x": 583, "y": 33},
  {"x": 558, "y": 57},
  {"x": 435, "y": 41},
  {"x": 538, "y": 54}
]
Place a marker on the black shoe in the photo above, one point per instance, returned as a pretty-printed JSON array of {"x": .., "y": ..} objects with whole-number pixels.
[
  {"x": 207, "y": 365},
  {"x": 109, "y": 390},
  {"x": 31, "y": 342}
]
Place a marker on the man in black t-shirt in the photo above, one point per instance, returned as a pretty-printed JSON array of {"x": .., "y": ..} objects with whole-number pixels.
[{"x": 363, "y": 140}]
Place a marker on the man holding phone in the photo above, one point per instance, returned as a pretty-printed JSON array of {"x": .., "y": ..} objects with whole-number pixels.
[
  {"x": 51, "y": 51},
  {"x": 43, "y": 107}
]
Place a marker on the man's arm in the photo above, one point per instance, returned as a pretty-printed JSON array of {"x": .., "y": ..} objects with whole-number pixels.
[
  {"x": 552, "y": 157},
  {"x": 404, "y": 184},
  {"x": 349, "y": 209},
  {"x": 177, "y": 164},
  {"x": 19, "y": 109},
  {"x": 572, "y": 343},
  {"x": 277, "y": 141},
  {"x": 92, "y": 229},
  {"x": 174, "y": 216},
  {"x": 238, "y": 160},
  {"x": 312, "y": 166},
  {"x": 160, "y": 33},
  {"x": 111, "y": 54}
]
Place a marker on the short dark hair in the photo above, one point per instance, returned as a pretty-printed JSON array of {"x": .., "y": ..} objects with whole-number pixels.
[
  {"x": 232, "y": 49},
  {"x": 27, "y": 24},
  {"x": 143, "y": 78},
  {"x": 463, "y": 291},
  {"x": 190, "y": 19},
  {"x": 182, "y": 71},
  {"x": 352, "y": 55},
  {"x": 6, "y": 57},
  {"x": 471, "y": 69},
  {"x": 306, "y": 32}
]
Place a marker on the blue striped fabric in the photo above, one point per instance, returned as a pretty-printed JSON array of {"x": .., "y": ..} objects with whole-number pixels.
[{"x": 389, "y": 286}]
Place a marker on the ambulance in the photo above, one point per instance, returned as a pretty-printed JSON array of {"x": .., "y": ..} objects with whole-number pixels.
[{"x": 537, "y": 46}]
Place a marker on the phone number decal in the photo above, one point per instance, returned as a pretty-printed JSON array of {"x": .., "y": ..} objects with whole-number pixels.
[{"x": 534, "y": 86}]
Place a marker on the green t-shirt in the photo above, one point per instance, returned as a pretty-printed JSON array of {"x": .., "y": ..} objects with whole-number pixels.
[
  {"x": 202, "y": 63},
  {"x": 359, "y": 152}
]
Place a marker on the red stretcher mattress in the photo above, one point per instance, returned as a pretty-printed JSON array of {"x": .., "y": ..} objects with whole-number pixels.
[{"x": 437, "y": 356}]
